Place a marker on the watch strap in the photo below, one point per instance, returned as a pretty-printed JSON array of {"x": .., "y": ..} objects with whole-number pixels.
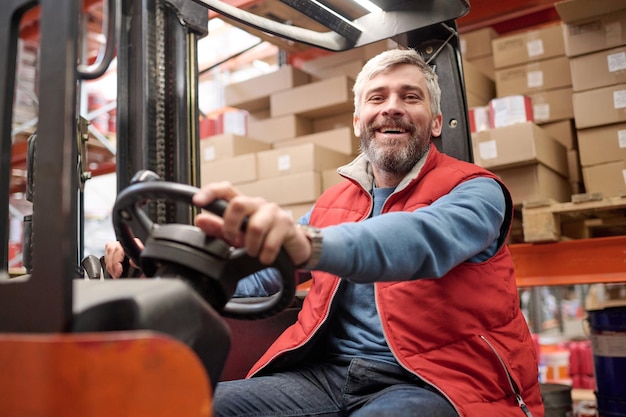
[{"x": 314, "y": 234}]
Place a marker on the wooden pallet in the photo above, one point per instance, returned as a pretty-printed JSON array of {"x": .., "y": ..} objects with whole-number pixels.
[{"x": 587, "y": 215}]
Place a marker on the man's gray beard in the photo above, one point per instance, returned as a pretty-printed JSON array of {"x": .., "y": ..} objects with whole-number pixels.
[{"x": 393, "y": 161}]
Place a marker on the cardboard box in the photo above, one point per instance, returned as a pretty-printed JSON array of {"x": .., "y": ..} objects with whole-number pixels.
[
  {"x": 279, "y": 128},
  {"x": 475, "y": 101},
  {"x": 238, "y": 169},
  {"x": 316, "y": 65},
  {"x": 577, "y": 187},
  {"x": 224, "y": 120},
  {"x": 485, "y": 65},
  {"x": 516, "y": 145},
  {"x": 602, "y": 144},
  {"x": 228, "y": 145},
  {"x": 318, "y": 99},
  {"x": 339, "y": 140},
  {"x": 348, "y": 69},
  {"x": 296, "y": 188},
  {"x": 477, "y": 43},
  {"x": 262, "y": 114},
  {"x": 337, "y": 59},
  {"x": 576, "y": 10},
  {"x": 510, "y": 110},
  {"x": 599, "y": 69},
  {"x": 608, "y": 179},
  {"x": 233, "y": 121},
  {"x": 552, "y": 105},
  {"x": 563, "y": 131},
  {"x": 529, "y": 46},
  {"x": 536, "y": 76},
  {"x": 330, "y": 177},
  {"x": 477, "y": 83},
  {"x": 254, "y": 94},
  {"x": 534, "y": 182},
  {"x": 208, "y": 127},
  {"x": 336, "y": 121},
  {"x": 575, "y": 171},
  {"x": 592, "y": 25},
  {"x": 600, "y": 106},
  {"x": 479, "y": 119},
  {"x": 298, "y": 158}
]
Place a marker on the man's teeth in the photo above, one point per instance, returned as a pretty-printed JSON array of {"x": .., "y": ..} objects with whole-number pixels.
[{"x": 387, "y": 130}]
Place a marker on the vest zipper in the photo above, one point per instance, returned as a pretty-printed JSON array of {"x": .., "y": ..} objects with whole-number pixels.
[
  {"x": 512, "y": 385},
  {"x": 305, "y": 341}
]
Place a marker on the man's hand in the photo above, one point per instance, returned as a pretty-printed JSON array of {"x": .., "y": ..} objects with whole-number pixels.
[
  {"x": 114, "y": 257},
  {"x": 269, "y": 228}
]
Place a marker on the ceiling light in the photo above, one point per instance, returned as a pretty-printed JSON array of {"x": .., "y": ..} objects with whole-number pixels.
[{"x": 367, "y": 4}]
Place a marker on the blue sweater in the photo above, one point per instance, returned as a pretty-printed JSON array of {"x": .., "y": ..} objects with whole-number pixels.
[
  {"x": 421, "y": 244},
  {"x": 357, "y": 330},
  {"x": 424, "y": 243}
]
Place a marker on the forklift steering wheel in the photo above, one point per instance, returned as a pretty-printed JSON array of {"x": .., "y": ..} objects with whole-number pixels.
[{"x": 211, "y": 266}]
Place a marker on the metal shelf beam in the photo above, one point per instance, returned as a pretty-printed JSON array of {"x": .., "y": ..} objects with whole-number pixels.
[{"x": 581, "y": 261}]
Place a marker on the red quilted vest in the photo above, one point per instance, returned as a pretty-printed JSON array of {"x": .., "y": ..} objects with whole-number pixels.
[{"x": 463, "y": 333}]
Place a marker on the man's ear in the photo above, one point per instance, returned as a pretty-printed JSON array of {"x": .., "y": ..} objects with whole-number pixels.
[
  {"x": 436, "y": 126},
  {"x": 356, "y": 126}
]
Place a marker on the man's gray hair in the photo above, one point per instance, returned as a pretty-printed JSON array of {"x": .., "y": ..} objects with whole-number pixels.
[{"x": 387, "y": 59}]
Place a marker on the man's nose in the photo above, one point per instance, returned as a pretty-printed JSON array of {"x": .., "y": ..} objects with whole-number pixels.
[{"x": 393, "y": 106}]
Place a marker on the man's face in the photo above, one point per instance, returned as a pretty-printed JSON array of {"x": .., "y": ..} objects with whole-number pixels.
[{"x": 395, "y": 123}]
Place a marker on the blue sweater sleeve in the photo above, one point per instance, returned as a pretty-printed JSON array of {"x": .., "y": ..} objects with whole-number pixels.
[
  {"x": 265, "y": 282},
  {"x": 463, "y": 225}
]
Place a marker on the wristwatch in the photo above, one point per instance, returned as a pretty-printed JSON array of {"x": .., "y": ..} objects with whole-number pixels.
[{"x": 314, "y": 235}]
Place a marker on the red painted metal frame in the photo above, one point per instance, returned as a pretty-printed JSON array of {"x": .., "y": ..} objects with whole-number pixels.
[
  {"x": 582, "y": 261},
  {"x": 507, "y": 16},
  {"x": 29, "y": 24}
]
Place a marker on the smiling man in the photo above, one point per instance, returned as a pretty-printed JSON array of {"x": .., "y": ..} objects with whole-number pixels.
[
  {"x": 413, "y": 308},
  {"x": 395, "y": 119}
]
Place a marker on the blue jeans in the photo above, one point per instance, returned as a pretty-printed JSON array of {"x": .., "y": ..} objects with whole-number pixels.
[{"x": 354, "y": 387}]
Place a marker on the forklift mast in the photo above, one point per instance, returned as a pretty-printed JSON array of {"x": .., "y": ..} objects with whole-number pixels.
[{"x": 158, "y": 115}]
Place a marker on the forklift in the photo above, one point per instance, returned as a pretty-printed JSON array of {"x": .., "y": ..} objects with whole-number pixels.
[{"x": 75, "y": 344}]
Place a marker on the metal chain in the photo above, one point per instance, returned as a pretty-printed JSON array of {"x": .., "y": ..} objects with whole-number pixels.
[{"x": 160, "y": 106}]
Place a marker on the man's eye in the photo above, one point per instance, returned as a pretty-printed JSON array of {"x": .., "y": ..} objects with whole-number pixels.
[{"x": 376, "y": 98}]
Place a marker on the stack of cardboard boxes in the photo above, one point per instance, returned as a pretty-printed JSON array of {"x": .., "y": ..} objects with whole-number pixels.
[
  {"x": 533, "y": 63},
  {"x": 529, "y": 133},
  {"x": 595, "y": 43},
  {"x": 478, "y": 69},
  {"x": 299, "y": 125},
  {"x": 299, "y": 122},
  {"x": 477, "y": 50},
  {"x": 574, "y": 75},
  {"x": 299, "y": 130}
]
